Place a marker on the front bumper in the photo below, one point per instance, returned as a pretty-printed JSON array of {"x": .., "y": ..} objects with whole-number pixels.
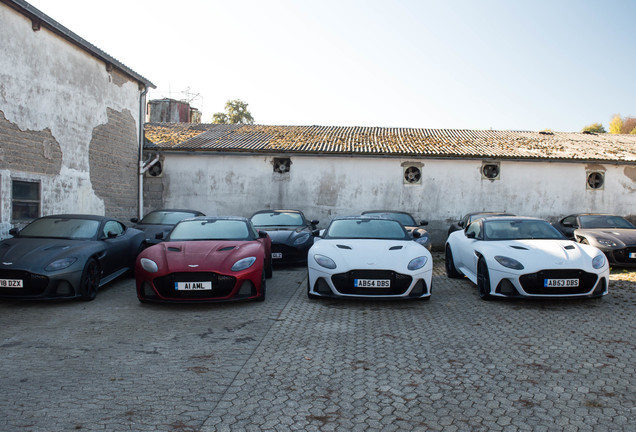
[{"x": 63, "y": 285}]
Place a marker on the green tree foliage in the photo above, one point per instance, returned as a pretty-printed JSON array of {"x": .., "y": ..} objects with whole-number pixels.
[
  {"x": 595, "y": 127},
  {"x": 235, "y": 113}
]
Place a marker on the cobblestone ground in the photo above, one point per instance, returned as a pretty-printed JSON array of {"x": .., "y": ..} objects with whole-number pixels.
[{"x": 290, "y": 363}]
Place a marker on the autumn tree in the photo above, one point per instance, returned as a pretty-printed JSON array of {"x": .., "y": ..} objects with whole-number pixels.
[
  {"x": 623, "y": 125},
  {"x": 595, "y": 127},
  {"x": 616, "y": 124},
  {"x": 235, "y": 113}
]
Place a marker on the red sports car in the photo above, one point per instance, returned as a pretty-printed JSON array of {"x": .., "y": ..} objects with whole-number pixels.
[{"x": 206, "y": 259}]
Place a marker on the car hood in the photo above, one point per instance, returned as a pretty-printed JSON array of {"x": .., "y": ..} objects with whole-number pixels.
[
  {"x": 545, "y": 252},
  {"x": 217, "y": 255},
  {"x": 370, "y": 254},
  {"x": 284, "y": 235},
  {"x": 36, "y": 253},
  {"x": 620, "y": 236}
]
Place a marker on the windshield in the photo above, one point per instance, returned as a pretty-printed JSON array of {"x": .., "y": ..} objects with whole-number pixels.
[
  {"x": 278, "y": 219},
  {"x": 63, "y": 228},
  {"x": 604, "y": 221},
  {"x": 166, "y": 217},
  {"x": 403, "y": 218},
  {"x": 519, "y": 230},
  {"x": 366, "y": 229},
  {"x": 210, "y": 230}
]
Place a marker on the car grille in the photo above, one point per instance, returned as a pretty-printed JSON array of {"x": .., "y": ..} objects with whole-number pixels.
[
  {"x": 34, "y": 284},
  {"x": 533, "y": 283},
  {"x": 344, "y": 282},
  {"x": 222, "y": 285},
  {"x": 290, "y": 253},
  {"x": 622, "y": 255}
]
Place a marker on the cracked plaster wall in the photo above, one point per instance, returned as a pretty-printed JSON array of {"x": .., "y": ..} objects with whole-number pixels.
[
  {"x": 324, "y": 187},
  {"x": 48, "y": 84}
]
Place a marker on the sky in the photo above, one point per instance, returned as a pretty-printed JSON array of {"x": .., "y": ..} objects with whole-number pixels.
[{"x": 453, "y": 64}]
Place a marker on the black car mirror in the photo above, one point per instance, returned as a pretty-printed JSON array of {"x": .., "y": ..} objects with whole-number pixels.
[
  {"x": 423, "y": 223},
  {"x": 471, "y": 235},
  {"x": 568, "y": 224},
  {"x": 416, "y": 234},
  {"x": 460, "y": 223},
  {"x": 314, "y": 222},
  {"x": 159, "y": 235},
  {"x": 262, "y": 234},
  {"x": 316, "y": 233},
  {"x": 111, "y": 234},
  {"x": 134, "y": 220},
  {"x": 14, "y": 232}
]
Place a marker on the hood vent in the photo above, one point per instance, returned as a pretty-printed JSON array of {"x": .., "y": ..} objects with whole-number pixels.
[
  {"x": 519, "y": 247},
  {"x": 227, "y": 248},
  {"x": 395, "y": 248},
  {"x": 344, "y": 247},
  {"x": 569, "y": 247}
]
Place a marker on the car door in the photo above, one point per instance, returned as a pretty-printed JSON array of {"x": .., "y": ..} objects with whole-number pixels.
[
  {"x": 467, "y": 251},
  {"x": 117, "y": 247}
]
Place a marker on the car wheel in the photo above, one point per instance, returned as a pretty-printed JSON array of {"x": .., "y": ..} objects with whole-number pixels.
[
  {"x": 268, "y": 269},
  {"x": 483, "y": 280},
  {"x": 89, "y": 283},
  {"x": 451, "y": 271},
  {"x": 263, "y": 287}
]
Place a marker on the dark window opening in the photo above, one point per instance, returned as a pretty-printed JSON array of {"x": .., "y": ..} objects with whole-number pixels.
[
  {"x": 412, "y": 175},
  {"x": 25, "y": 202},
  {"x": 282, "y": 165},
  {"x": 595, "y": 180}
]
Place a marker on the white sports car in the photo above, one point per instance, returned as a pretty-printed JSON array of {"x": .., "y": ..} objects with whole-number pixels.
[
  {"x": 368, "y": 257},
  {"x": 525, "y": 257}
]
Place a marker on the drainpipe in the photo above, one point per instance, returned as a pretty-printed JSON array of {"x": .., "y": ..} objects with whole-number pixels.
[{"x": 140, "y": 182}]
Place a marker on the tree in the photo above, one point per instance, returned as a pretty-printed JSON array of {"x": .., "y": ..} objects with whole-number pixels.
[
  {"x": 629, "y": 125},
  {"x": 616, "y": 124},
  {"x": 235, "y": 113},
  {"x": 595, "y": 127}
]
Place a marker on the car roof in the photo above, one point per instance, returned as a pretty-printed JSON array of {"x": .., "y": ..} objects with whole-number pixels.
[
  {"x": 361, "y": 217},
  {"x": 178, "y": 210},
  {"x": 76, "y": 216},
  {"x": 385, "y": 211},
  {"x": 278, "y": 211},
  {"x": 517, "y": 218},
  {"x": 215, "y": 218}
]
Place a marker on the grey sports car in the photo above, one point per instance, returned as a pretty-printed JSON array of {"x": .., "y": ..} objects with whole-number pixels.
[
  {"x": 162, "y": 221},
  {"x": 612, "y": 234},
  {"x": 66, "y": 256}
]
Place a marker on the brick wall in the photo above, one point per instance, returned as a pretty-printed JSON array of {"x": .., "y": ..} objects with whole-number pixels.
[{"x": 113, "y": 156}]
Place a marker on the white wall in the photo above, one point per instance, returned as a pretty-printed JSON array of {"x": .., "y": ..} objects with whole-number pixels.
[
  {"x": 47, "y": 83},
  {"x": 324, "y": 187}
]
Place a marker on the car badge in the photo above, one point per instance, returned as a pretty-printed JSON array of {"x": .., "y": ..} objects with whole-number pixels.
[
  {"x": 7, "y": 263},
  {"x": 193, "y": 265}
]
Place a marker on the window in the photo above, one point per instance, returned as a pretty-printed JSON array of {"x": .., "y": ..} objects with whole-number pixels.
[
  {"x": 474, "y": 227},
  {"x": 25, "y": 201},
  {"x": 113, "y": 227}
]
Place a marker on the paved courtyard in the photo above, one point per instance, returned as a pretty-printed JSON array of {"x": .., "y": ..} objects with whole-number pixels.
[{"x": 455, "y": 363}]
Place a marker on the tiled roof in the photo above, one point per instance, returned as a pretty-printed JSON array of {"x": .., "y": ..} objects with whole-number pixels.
[{"x": 391, "y": 141}]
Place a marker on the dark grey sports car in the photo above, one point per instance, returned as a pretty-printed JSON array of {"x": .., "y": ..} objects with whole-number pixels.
[
  {"x": 612, "y": 234},
  {"x": 162, "y": 221},
  {"x": 408, "y": 221},
  {"x": 290, "y": 232},
  {"x": 66, "y": 256}
]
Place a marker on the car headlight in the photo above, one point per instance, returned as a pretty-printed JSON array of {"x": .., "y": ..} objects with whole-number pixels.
[
  {"x": 598, "y": 261},
  {"x": 60, "y": 264},
  {"x": 325, "y": 262},
  {"x": 302, "y": 239},
  {"x": 244, "y": 263},
  {"x": 417, "y": 263},
  {"x": 606, "y": 242},
  {"x": 149, "y": 265},
  {"x": 509, "y": 262}
]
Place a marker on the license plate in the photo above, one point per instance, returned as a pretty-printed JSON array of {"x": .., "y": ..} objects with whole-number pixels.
[
  {"x": 632, "y": 255},
  {"x": 277, "y": 255},
  {"x": 372, "y": 283},
  {"x": 192, "y": 286},
  {"x": 11, "y": 283},
  {"x": 561, "y": 283}
]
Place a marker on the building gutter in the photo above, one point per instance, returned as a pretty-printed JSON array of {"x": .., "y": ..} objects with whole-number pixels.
[{"x": 140, "y": 181}]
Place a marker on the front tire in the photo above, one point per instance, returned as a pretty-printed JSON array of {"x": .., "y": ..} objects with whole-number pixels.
[
  {"x": 483, "y": 280},
  {"x": 89, "y": 283},
  {"x": 451, "y": 270}
]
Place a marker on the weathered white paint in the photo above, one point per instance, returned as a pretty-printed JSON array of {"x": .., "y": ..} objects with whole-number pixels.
[
  {"x": 327, "y": 186},
  {"x": 48, "y": 83}
]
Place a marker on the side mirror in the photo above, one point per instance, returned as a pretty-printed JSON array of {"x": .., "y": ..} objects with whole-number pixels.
[
  {"x": 314, "y": 222},
  {"x": 471, "y": 234},
  {"x": 315, "y": 233},
  {"x": 460, "y": 223},
  {"x": 134, "y": 220},
  {"x": 111, "y": 234},
  {"x": 568, "y": 224},
  {"x": 14, "y": 232},
  {"x": 159, "y": 235},
  {"x": 423, "y": 223},
  {"x": 262, "y": 234},
  {"x": 416, "y": 234}
]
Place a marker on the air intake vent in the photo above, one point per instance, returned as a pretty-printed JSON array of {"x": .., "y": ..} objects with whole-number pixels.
[
  {"x": 395, "y": 248},
  {"x": 344, "y": 247},
  {"x": 174, "y": 249},
  {"x": 519, "y": 247},
  {"x": 570, "y": 247}
]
